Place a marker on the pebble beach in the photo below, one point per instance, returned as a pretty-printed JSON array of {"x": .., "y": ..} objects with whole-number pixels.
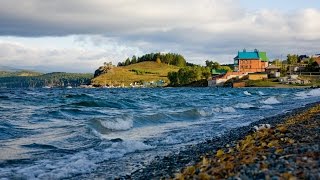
[{"x": 289, "y": 149}]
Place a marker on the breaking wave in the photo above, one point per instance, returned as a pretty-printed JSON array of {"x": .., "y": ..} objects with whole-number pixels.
[
  {"x": 117, "y": 124},
  {"x": 70, "y": 165},
  {"x": 244, "y": 106},
  {"x": 266, "y": 107},
  {"x": 304, "y": 94},
  {"x": 271, "y": 100},
  {"x": 224, "y": 109}
]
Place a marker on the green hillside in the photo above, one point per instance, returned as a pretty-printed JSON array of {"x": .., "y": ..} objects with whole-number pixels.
[
  {"x": 19, "y": 73},
  {"x": 140, "y": 72}
]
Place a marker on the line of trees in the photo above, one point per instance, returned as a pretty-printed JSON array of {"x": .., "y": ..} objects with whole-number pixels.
[
  {"x": 57, "y": 79},
  {"x": 188, "y": 75},
  {"x": 168, "y": 58}
]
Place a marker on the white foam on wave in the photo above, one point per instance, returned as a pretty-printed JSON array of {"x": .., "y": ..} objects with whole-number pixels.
[
  {"x": 223, "y": 109},
  {"x": 266, "y": 107},
  {"x": 205, "y": 112},
  {"x": 314, "y": 92},
  {"x": 119, "y": 124},
  {"x": 308, "y": 94},
  {"x": 70, "y": 165},
  {"x": 261, "y": 93},
  {"x": 244, "y": 106},
  {"x": 228, "y": 110},
  {"x": 271, "y": 100},
  {"x": 247, "y": 93}
]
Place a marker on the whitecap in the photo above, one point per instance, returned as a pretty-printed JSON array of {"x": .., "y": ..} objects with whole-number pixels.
[
  {"x": 247, "y": 93},
  {"x": 314, "y": 92},
  {"x": 118, "y": 124},
  {"x": 205, "y": 112},
  {"x": 305, "y": 94},
  {"x": 244, "y": 106},
  {"x": 271, "y": 100},
  {"x": 216, "y": 109},
  {"x": 301, "y": 95},
  {"x": 79, "y": 163},
  {"x": 261, "y": 93},
  {"x": 228, "y": 110},
  {"x": 266, "y": 107}
]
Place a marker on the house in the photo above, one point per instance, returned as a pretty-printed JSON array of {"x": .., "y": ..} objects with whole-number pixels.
[
  {"x": 273, "y": 71},
  {"x": 250, "y": 62}
]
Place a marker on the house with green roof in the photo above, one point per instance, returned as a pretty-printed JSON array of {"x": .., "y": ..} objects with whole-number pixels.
[{"x": 251, "y": 62}]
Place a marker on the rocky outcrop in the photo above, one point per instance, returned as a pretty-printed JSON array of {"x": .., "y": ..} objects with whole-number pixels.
[{"x": 107, "y": 67}]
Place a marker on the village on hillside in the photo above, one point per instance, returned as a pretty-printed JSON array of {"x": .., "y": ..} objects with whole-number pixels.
[
  {"x": 254, "y": 66},
  {"x": 249, "y": 69}
]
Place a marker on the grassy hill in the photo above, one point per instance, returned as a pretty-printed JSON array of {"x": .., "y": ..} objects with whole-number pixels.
[{"x": 144, "y": 71}]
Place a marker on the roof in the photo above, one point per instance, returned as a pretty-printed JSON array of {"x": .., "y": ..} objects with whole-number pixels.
[
  {"x": 252, "y": 55},
  {"x": 263, "y": 56},
  {"x": 248, "y": 55},
  {"x": 218, "y": 71}
]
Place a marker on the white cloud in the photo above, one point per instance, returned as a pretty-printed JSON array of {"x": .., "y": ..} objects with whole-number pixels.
[
  {"x": 77, "y": 59},
  {"x": 200, "y": 30}
]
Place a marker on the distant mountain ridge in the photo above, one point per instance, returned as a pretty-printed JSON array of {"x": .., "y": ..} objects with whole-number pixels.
[
  {"x": 29, "y": 79},
  {"x": 9, "y": 69},
  {"x": 16, "y": 73}
]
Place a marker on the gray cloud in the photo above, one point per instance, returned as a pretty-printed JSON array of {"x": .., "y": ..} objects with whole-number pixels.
[{"x": 207, "y": 29}]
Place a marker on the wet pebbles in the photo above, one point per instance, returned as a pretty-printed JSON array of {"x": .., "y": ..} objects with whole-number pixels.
[{"x": 293, "y": 153}]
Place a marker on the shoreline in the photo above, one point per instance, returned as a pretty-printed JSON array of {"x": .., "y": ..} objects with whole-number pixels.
[{"x": 169, "y": 166}]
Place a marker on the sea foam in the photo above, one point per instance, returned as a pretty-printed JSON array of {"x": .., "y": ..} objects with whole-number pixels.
[
  {"x": 118, "y": 124},
  {"x": 247, "y": 93},
  {"x": 244, "y": 106},
  {"x": 79, "y": 163},
  {"x": 271, "y": 100},
  {"x": 305, "y": 94},
  {"x": 223, "y": 110}
]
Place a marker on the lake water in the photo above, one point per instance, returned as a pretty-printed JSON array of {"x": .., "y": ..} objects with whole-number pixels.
[{"x": 63, "y": 133}]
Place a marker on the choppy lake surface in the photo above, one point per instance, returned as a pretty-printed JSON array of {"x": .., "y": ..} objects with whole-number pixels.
[{"x": 63, "y": 133}]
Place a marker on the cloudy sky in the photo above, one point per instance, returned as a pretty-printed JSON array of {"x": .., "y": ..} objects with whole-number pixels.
[{"x": 79, "y": 35}]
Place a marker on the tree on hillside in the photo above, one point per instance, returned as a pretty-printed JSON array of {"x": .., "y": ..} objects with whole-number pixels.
[
  {"x": 227, "y": 68},
  {"x": 133, "y": 59},
  {"x": 292, "y": 59},
  {"x": 187, "y": 75},
  {"x": 169, "y": 58},
  {"x": 212, "y": 65},
  {"x": 127, "y": 62}
]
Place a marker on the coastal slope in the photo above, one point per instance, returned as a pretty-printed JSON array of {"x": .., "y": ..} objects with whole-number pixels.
[{"x": 139, "y": 72}]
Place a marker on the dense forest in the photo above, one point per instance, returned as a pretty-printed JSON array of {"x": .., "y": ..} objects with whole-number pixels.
[
  {"x": 168, "y": 58},
  {"x": 56, "y": 79}
]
